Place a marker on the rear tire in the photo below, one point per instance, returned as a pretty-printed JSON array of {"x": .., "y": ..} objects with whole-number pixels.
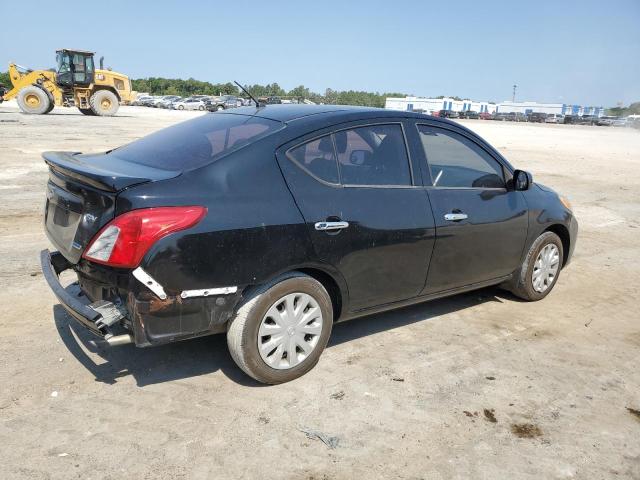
[
  {"x": 244, "y": 335},
  {"x": 104, "y": 103},
  {"x": 34, "y": 100},
  {"x": 534, "y": 265},
  {"x": 201, "y": 108}
]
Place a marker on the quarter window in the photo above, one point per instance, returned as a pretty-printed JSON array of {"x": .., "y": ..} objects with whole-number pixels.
[
  {"x": 456, "y": 161},
  {"x": 318, "y": 158},
  {"x": 373, "y": 155}
]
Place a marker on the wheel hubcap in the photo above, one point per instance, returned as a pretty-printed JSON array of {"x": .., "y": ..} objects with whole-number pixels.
[
  {"x": 290, "y": 331},
  {"x": 546, "y": 268}
]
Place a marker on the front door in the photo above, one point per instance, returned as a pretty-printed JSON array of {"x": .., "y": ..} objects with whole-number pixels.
[
  {"x": 365, "y": 214},
  {"x": 481, "y": 225}
]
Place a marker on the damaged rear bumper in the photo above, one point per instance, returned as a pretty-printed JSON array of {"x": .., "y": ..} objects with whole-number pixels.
[
  {"x": 134, "y": 307},
  {"x": 97, "y": 317}
]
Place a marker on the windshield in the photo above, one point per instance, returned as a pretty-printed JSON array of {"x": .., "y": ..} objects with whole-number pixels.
[{"x": 197, "y": 142}]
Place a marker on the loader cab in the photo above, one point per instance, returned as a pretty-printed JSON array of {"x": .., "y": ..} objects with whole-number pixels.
[{"x": 75, "y": 68}]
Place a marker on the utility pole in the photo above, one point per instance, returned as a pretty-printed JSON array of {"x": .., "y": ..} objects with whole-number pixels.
[{"x": 513, "y": 98}]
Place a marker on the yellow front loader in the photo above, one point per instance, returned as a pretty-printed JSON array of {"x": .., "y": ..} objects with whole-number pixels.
[{"x": 76, "y": 82}]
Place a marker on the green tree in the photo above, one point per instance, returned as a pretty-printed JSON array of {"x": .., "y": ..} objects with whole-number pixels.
[
  {"x": 5, "y": 80},
  {"x": 633, "y": 109}
]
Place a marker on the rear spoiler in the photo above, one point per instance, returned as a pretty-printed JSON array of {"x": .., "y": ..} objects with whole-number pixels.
[{"x": 103, "y": 171}]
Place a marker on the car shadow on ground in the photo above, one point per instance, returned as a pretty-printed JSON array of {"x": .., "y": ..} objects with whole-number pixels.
[{"x": 206, "y": 355}]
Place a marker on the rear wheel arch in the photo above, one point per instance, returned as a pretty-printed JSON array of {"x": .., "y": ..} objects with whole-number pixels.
[
  {"x": 327, "y": 280},
  {"x": 565, "y": 237},
  {"x": 331, "y": 286}
]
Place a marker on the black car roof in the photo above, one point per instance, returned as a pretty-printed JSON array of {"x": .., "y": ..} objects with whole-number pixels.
[
  {"x": 292, "y": 112},
  {"x": 313, "y": 117}
]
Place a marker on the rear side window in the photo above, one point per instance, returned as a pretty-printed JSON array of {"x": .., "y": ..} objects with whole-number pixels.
[
  {"x": 373, "y": 155},
  {"x": 318, "y": 158},
  {"x": 197, "y": 142},
  {"x": 457, "y": 162}
]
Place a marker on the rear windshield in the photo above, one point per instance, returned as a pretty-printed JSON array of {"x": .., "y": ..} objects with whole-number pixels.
[{"x": 197, "y": 142}]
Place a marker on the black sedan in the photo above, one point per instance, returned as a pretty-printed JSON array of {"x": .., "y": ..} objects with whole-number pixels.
[
  {"x": 271, "y": 224},
  {"x": 469, "y": 114},
  {"x": 448, "y": 114}
]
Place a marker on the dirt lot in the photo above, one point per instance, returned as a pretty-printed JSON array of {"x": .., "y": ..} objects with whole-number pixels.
[{"x": 476, "y": 386}]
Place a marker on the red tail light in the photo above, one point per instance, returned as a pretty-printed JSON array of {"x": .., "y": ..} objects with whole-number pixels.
[{"x": 127, "y": 238}]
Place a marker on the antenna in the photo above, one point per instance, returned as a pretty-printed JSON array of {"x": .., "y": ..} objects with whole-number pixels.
[
  {"x": 513, "y": 98},
  {"x": 250, "y": 96}
]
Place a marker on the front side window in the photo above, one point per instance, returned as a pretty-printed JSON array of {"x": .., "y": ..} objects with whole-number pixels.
[
  {"x": 457, "y": 162},
  {"x": 373, "y": 155},
  {"x": 318, "y": 158}
]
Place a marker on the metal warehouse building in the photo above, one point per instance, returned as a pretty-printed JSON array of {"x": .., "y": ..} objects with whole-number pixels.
[
  {"x": 429, "y": 105},
  {"x": 557, "y": 108}
]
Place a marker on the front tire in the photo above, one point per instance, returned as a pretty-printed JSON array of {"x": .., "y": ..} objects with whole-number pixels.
[
  {"x": 104, "y": 103},
  {"x": 34, "y": 100},
  {"x": 86, "y": 111},
  {"x": 281, "y": 328},
  {"x": 541, "y": 268}
]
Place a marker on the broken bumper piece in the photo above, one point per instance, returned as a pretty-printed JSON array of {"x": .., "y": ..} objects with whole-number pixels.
[{"x": 98, "y": 317}]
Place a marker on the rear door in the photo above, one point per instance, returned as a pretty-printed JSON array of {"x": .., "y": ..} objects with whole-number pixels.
[
  {"x": 365, "y": 212},
  {"x": 481, "y": 225}
]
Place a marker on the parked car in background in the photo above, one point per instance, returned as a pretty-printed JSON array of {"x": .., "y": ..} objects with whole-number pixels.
[
  {"x": 501, "y": 116},
  {"x": 587, "y": 120},
  {"x": 537, "y": 117},
  {"x": 554, "y": 118},
  {"x": 167, "y": 100},
  {"x": 520, "y": 117},
  {"x": 138, "y": 101},
  {"x": 621, "y": 122},
  {"x": 272, "y": 100},
  {"x": 159, "y": 99},
  {"x": 253, "y": 223},
  {"x": 189, "y": 104},
  {"x": 448, "y": 114},
  {"x": 149, "y": 102},
  {"x": 607, "y": 121},
  {"x": 222, "y": 102},
  {"x": 485, "y": 116},
  {"x": 470, "y": 114},
  {"x": 171, "y": 104}
]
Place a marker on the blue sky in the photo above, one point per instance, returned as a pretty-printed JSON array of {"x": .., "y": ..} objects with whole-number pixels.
[{"x": 585, "y": 52}]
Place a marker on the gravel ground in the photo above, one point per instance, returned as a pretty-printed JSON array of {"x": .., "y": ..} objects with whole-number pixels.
[{"x": 478, "y": 386}]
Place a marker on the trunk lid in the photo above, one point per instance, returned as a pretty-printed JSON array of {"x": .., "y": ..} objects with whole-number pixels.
[{"x": 82, "y": 192}]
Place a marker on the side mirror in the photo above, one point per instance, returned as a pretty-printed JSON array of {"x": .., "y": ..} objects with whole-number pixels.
[{"x": 522, "y": 180}]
